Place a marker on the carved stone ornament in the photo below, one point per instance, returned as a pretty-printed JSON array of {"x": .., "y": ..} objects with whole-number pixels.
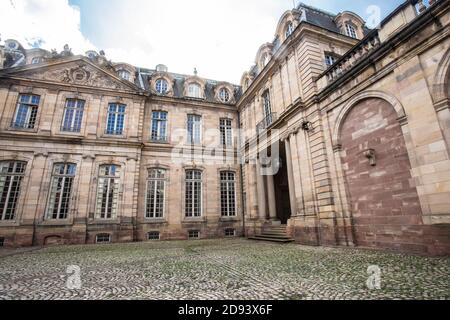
[
  {"x": 370, "y": 154},
  {"x": 81, "y": 75}
]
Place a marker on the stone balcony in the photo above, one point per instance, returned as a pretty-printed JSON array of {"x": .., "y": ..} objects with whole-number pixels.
[{"x": 374, "y": 39}]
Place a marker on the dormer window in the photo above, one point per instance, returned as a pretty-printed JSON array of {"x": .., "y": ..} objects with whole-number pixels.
[
  {"x": 161, "y": 86},
  {"x": 329, "y": 60},
  {"x": 351, "y": 31},
  {"x": 266, "y": 59},
  {"x": 36, "y": 60},
  {"x": 224, "y": 95},
  {"x": 124, "y": 74},
  {"x": 289, "y": 30},
  {"x": 194, "y": 90}
]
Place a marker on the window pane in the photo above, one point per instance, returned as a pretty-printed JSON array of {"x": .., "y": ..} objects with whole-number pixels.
[
  {"x": 60, "y": 191},
  {"x": 108, "y": 192},
  {"x": 11, "y": 175}
]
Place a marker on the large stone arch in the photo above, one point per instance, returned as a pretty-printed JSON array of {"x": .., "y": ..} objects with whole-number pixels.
[
  {"x": 393, "y": 101},
  {"x": 441, "y": 80},
  {"x": 376, "y": 168}
]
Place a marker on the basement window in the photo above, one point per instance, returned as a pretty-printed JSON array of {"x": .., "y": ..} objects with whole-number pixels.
[
  {"x": 230, "y": 232},
  {"x": 194, "y": 234},
  {"x": 2, "y": 242},
  {"x": 153, "y": 235},
  {"x": 103, "y": 238}
]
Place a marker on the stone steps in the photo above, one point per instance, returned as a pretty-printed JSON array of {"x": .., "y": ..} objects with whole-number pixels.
[{"x": 273, "y": 234}]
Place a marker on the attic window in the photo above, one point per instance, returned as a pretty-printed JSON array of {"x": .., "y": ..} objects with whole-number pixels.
[
  {"x": 265, "y": 59},
  {"x": 35, "y": 60},
  {"x": 351, "y": 31},
  {"x": 224, "y": 95},
  {"x": 194, "y": 90},
  {"x": 161, "y": 86},
  {"x": 329, "y": 60},
  {"x": 124, "y": 74},
  {"x": 289, "y": 30}
]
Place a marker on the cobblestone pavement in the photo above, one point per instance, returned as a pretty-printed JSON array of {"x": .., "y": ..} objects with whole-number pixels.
[{"x": 219, "y": 269}]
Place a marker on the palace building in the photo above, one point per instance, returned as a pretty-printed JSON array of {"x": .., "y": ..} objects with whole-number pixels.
[{"x": 339, "y": 135}]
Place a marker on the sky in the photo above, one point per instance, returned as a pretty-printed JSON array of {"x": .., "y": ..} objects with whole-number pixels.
[{"x": 219, "y": 38}]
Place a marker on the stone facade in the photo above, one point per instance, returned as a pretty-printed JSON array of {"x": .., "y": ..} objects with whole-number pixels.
[{"x": 355, "y": 121}]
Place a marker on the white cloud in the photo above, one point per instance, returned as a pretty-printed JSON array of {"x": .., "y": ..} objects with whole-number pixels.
[
  {"x": 51, "y": 22},
  {"x": 219, "y": 38}
]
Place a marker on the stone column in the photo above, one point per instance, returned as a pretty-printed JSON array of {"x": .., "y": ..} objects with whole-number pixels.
[
  {"x": 261, "y": 192},
  {"x": 271, "y": 197},
  {"x": 290, "y": 177}
]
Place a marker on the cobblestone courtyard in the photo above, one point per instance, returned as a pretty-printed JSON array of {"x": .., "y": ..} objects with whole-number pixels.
[{"x": 220, "y": 269}]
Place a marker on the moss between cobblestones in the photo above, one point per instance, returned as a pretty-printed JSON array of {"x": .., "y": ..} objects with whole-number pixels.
[{"x": 210, "y": 269}]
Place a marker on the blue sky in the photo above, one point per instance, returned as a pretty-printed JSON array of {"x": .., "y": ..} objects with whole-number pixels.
[{"x": 219, "y": 38}]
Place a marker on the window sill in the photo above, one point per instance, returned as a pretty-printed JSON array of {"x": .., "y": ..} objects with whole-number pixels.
[
  {"x": 229, "y": 219},
  {"x": 22, "y": 130},
  {"x": 113, "y": 136},
  {"x": 155, "y": 221},
  {"x": 104, "y": 221},
  {"x": 187, "y": 220},
  {"x": 55, "y": 223},
  {"x": 159, "y": 141},
  {"x": 9, "y": 223}
]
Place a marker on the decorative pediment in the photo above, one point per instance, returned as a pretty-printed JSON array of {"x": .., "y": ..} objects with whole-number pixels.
[{"x": 79, "y": 73}]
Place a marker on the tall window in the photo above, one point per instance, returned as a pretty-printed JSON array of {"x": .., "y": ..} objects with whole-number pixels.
[
  {"x": 108, "y": 192},
  {"x": 289, "y": 30},
  {"x": 267, "y": 108},
  {"x": 60, "y": 190},
  {"x": 26, "y": 111},
  {"x": 194, "y": 90},
  {"x": 161, "y": 86},
  {"x": 116, "y": 118},
  {"x": 194, "y": 128},
  {"x": 156, "y": 187},
  {"x": 266, "y": 59},
  {"x": 73, "y": 115},
  {"x": 159, "y": 126},
  {"x": 224, "y": 95},
  {"x": 124, "y": 74},
  {"x": 351, "y": 31},
  {"x": 329, "y": 60},
  {"x": 11, "y": 175},
  {"x": 193, "y": 199},
  {"x": 228, "y": 194},
  {"x": 226, "y": 135}
]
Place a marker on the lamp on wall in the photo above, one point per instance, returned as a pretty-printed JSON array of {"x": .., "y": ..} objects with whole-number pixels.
[{"x": 306, "y": 125}]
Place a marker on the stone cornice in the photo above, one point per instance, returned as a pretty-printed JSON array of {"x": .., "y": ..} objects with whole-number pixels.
[{"x": 285, "y": 50}]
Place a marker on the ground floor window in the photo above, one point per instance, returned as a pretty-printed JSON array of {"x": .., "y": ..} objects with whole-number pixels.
[
  {"x": 11, "y": 176},
  {"x": 153, "y": 235},
  {"x": 228, "y": 193},
  {"x": 60, "y": 191},
  {"x": 108, "y": 191},
  {"x": 230, "y": 232},
  {"x": 103, "y": 238},
  {"x": 193, "y": 198},
  {"x": 156, "y": 187},
  {"x": 194, "y": 234}
]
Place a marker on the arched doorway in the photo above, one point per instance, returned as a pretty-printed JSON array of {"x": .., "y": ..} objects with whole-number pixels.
[{"x": 384, "y": 201}]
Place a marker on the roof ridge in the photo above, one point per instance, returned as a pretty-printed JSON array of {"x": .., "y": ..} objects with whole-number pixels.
[{"x": 304, "y": 5}]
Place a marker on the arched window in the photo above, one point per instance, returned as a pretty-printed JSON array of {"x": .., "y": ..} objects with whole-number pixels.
[
  {"x": 61, "y": 190},
  {"x": 224, "y": 95},
  {"x": 351, "y": 31},
  {"x": 289, "y": 30},
  {"x": 11, "y": 176},
  {"x": 156, "y": 188},
  {"x": 193, "y": 197},
  {"x": 108, "y": 192},
  {"x": 161, "y": 86},
  {"x": 194, "y": 90},
  {"x": 265, "y": 59},
  {"x": 36, "y": 60},
  {"x": 228, "y": 193},
  {"x": 124, "y": 74}
]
